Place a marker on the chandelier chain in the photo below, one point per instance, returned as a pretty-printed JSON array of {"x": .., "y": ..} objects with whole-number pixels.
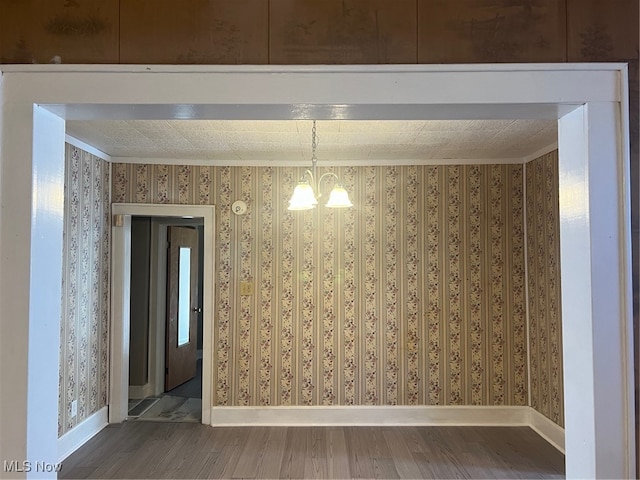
[{"x": 314, "y": 142}]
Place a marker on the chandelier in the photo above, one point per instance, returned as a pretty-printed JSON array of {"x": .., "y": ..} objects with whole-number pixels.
[{"x": 305, "y": 195}]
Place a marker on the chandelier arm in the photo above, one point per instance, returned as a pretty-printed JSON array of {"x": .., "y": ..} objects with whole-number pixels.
[
  {"x": 327, "y": 174},
  {"x": 311, "y": 177}
]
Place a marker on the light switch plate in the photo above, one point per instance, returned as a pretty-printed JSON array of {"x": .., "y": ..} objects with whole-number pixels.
[{"x": 246, "y": 288}]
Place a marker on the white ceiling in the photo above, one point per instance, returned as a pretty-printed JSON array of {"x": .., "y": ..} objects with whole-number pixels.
[{"x": 288, "y": 142}]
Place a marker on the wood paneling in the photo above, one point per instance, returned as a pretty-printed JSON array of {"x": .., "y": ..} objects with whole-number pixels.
[
  {"x": 183, "y": 450},
  {"x": 194, "y": 32},
  {"x": 602, "y": 30},
  {"x": 317, "y": 31},
  {"x": 342, "y": 31},
  {"x": 472, "y": 31},
  {"x": 77, "y": 31}
]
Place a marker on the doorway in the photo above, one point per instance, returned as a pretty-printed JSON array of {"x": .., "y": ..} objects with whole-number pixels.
[
  {"x": 184, "y": 401},
  {"x": 165, "y": 358}
]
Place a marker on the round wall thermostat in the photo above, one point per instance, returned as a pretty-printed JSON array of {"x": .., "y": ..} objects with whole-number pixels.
[{"x": 239, "y": 207}]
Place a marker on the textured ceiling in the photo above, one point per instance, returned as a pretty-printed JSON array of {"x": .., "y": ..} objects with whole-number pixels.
[{"x": 338, "y": 141}]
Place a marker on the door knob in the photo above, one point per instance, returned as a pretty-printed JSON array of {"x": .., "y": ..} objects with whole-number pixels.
[{"x": 196, "y": 310}]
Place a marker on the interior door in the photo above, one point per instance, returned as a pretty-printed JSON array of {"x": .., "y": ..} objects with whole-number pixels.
[{"x": 183, "y": 306}]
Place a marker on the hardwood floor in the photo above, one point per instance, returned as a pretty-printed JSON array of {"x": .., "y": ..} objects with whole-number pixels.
[{"x": 186, "y": 450}]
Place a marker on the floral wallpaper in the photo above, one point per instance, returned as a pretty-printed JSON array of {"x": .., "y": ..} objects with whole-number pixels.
[
  {"x": 84, "y": 332},
  {"x": 416, "y": 296},
  {"x": 543, "y": 263}
]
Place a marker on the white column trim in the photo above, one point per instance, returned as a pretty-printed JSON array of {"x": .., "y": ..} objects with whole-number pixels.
[
  {"x": 45, "y": 288},
  {"x": 596, "y": 292}
]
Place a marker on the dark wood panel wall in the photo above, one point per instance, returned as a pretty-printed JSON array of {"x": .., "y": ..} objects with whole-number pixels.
[{"x": 317, "y": 31}]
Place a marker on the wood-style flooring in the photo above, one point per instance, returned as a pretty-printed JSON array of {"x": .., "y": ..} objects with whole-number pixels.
[{"x": 186, "y": 450}]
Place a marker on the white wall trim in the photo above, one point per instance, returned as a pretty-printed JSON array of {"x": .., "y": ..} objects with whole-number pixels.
[
  {"x": 546, "y": 428},
  {"x": 142, "y": 391},
  {"x": 509, "y": 416},
  {"x": 353, "y": 162},
  {"x": 385, "y": 415},
  {"x": 406, "y": 68},
  {"x": 539, "y": 153},
  {"x": 119, "y": 326},
  {"x": 369, "y": 415},
  {"x": 323, "y": 163},
  {"x": 87, "y": 148},
  {"x": 390, "y": 415},
  {"x": 82, "y": 433}
]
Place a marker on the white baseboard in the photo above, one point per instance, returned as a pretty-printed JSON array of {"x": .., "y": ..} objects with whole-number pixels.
[
  {"x": 547, "y": 429},
  {"x": 141, "y": 391},
  {"x": 81, "y": 433},
  {"x": 390, "y": 416},
  {"x": 368, "y": 415},
  {"x": 347, "y": 416}
]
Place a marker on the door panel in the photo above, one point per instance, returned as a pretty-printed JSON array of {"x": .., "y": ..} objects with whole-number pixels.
[{"x": 183, "y": 306}]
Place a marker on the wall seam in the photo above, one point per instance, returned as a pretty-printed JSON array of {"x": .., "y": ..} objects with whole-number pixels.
[
  {"x": 525, "y": 215},
  {"x": 268, "y": 32},
  {"x": 120, "y": 31},
  {"x": 508, "y": 320},
  {"x": 417, "y": 32},
  {"x": 566, "y": 30}
]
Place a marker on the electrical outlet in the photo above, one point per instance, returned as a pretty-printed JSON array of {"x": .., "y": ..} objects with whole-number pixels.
[
  {"x": 74, "y": 408},
  {"x": 246, "y": 288}
]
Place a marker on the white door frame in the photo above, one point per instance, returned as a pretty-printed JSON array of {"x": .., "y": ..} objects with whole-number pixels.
[
  {"x": 589, "y": 100},
  {"x": 120, "y": 294}
]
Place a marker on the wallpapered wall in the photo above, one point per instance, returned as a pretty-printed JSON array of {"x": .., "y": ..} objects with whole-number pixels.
[
  {"x": 415, "y": 296},
  {"x": 84, "y": 332},
  {"x": 543, "y": 263}
]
